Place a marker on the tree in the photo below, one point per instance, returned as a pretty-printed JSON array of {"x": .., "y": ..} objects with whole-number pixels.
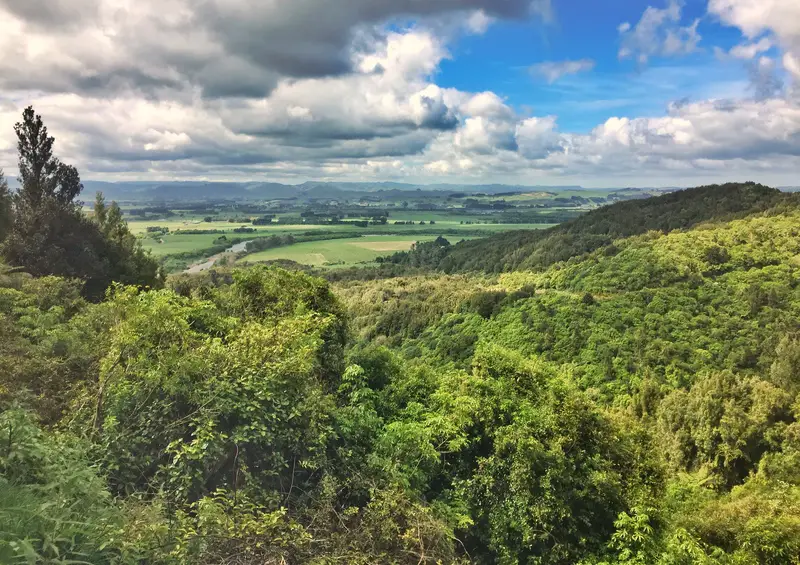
[
  {"x": 785, "y": 371},
  {"x": 236, "y": 400},
  {"x": 41, "y": 174},
  {"x": 100, "y": 210},
  {"x": 50, "y": 235},
  {"x": 6, "y": 207}
]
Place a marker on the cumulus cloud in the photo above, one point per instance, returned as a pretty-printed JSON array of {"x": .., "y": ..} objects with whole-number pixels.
[
  {"x": 792, "y": 64},
  {"x": 658, "y": 32},
  {"x": 703, "y": 130},
  {"x": 537, "y": 138},
  {"x": 386, "y": 108},
  {"x": 488, "y": 127},
  {"x": 388, "y": 98},
  {"x": 703, "y": 139},
  {"x": 314, "y": 89},
  {"x": 751, "y": 50},
  {"x": 780, "y": 18},
  {"x": 554, "y": 70},
  {"x": 221, "y": 47},
  {"x": 764, "y": 78},
  {"x": 479, "y": 22}
]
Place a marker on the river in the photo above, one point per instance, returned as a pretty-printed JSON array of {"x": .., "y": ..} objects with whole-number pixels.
[{"x": 211, "y": 261}]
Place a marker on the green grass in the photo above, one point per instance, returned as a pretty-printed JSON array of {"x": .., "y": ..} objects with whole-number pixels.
[
  {"x": 178, "y": 243},
  {"x": 443, "y": 217},
  {"x": 341, "y": 251},
  {"x": 140, "y": 226}
]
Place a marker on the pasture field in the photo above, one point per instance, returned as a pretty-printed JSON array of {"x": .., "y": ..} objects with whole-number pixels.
[
  {"x": 180, "y": 243},
  {"x": 171, "y": 244},
  {"x": 139, "y": 227},
  {"x": 341, "y": 252}
]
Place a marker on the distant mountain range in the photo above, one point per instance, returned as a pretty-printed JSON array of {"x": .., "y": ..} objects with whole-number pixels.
[
  {"x": 172, "y": 191},
  {"x": 189, "y": 190}
]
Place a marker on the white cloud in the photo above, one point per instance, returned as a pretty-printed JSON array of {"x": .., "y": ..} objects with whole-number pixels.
[
  {"x": 537, "y": 137},
  {"x": 240, "y": 89},
  {"x": 682, "y": 40},
  {"x": 781, "y": 18},
  {"x": 488, "y": 126},
  {"x": 754, "y": 17},
  {"x": 554, "y": 70},
  {"x": 658, "y": 32},
  {"x": 479, "y": 22},
  {"x": 792, "y": 64},
  {"x": 751, "y": 50},
  {"x": 488, "y": 105},
  {"x": 221, "y": 48}
]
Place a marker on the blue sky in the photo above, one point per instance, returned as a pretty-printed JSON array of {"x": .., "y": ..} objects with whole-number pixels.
[
  {"x": 501, "y": 60},
  {"x": 548, "y": 92}
]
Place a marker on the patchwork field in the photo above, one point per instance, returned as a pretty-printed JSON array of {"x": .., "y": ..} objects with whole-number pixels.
[
  {"x": 140, "y": 226},
  {"x": 340, "y": 251},
  {"x": 181, "y": 243}
]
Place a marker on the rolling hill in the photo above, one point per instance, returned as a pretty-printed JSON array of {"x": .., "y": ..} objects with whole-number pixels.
[{"x": 532, "y": 249}]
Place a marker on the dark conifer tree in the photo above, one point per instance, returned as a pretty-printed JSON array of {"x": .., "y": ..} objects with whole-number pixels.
[{"x": 50, "y": 235}]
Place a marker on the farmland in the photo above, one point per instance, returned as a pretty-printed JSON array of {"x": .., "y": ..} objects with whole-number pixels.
[
  {"x": 339, "y": 252},
  {"x": 332, "y": 227}
]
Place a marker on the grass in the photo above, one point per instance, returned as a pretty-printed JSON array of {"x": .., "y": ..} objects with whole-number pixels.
[
  {"x": 340, "y": 251},
  {"x": 180, "y": 243},
  {"x": 140, "y": 226}
]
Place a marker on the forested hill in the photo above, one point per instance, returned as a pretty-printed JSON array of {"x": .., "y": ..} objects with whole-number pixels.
[
  {"x": 530, "y": 249},
  {"x": 635, "y": 405}
]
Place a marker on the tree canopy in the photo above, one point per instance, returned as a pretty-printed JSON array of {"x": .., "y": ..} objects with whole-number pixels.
[
  {"x": 50, "y": 235},
  {"x": 631, "y": 397}
]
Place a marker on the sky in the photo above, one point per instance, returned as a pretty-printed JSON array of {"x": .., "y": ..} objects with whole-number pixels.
[{"x": 534, "y": 92}]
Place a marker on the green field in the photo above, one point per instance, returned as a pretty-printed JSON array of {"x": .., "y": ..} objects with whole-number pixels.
[
  {"x": 139, "y": 227},
  {"x": 340, "y": 251},
  {"x": 180, "y": 243}
]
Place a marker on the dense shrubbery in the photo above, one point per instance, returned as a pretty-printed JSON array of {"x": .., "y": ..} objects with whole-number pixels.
[
  {"x": 693, "y": 334},
  {"x": 231, "y": 407},
  {"x": 638, "y": 405}
]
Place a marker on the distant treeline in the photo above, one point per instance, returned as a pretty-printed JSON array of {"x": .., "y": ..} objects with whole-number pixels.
[{"x": 273, "y": 241}]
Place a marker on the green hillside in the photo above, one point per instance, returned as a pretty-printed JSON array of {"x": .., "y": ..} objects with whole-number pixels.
[
  {"x": 535, "y": 249},
  {"x": 693, "y": 334},
  {"x": 636, "y": 403}
]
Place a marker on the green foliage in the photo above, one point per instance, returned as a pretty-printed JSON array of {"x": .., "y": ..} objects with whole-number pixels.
[
  {"x": 724, "y": 424},
  {"x": 41, "y": 174},
  {"x": 54, "y": 507},
  {"x": 557, "y": 472},
  {"x": 49, "y": 235},
  {"x": 6, "y": 207},
  {"x": 689, "y": 336},
  {"x": 50, "y": 342},
  {"x": 197, "y": 395},
  {"x": 635, "y": 405},
  {"x": 541, "y": 248}
]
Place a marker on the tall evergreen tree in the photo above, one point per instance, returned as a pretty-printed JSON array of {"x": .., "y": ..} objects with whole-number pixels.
[
  {"x": 50, "y": 235},
  {"x": 41, "y": 174}
]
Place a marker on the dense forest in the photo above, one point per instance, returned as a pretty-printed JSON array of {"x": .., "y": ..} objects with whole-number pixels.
[
  {"x": 621, "y": 389},
  {"x": 532, "y": 249}
]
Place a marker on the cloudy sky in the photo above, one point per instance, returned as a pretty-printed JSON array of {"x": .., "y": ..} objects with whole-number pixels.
[{"x": 648, "y": 93}]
